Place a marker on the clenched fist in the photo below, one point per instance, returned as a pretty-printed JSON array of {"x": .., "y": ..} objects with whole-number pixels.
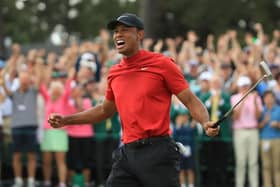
[
  {"x": 56, "y": 120},
  {"x": 210, "y": 130}
]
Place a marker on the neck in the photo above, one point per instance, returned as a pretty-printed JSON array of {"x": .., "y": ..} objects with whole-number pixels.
[
  {"x": 132, "y": 53},
  {"x": 54, "y": 97},
  {"x": 22, "y": 89}
]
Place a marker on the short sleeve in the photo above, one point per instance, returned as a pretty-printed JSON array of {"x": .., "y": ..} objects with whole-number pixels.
[
  {"x": 174, "y": 78},
  {"x": 109, "y": 92}
]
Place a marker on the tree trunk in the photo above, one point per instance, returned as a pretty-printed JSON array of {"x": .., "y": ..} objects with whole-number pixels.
[{"x": 150, "y": 12}]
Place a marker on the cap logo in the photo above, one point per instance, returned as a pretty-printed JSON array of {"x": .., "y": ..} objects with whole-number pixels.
[{"x": 121, "y": 17}]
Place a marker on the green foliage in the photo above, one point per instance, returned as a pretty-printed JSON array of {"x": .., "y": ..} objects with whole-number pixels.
[
  {"x": 29, "y": 24},
  {"x": 216, "y": 16},
  {"x": 174, "y": 17}
]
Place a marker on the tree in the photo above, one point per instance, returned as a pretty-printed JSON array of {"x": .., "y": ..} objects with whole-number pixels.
[{"x": 34, "y": 20}]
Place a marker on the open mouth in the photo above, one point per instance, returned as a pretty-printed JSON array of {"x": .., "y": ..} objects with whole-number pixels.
[{"x": 120, "y": 43}]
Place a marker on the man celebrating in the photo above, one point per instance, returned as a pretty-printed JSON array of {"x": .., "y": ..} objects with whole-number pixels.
[{"x": 140, "y": 89}]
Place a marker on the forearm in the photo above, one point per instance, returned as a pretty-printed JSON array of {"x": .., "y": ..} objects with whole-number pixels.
[
  {"x": 262, "y": 123},
  {"x": 197, "y": 110},
  {"x": 258, "y": 111},
  {"x": 92, "y": 115},
  {"x": 6, "y": 90}
]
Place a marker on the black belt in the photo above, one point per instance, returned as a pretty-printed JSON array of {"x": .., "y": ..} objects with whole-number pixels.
[{"x": 147, "y": 141}]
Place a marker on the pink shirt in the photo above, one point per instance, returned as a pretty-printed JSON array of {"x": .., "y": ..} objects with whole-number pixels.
[
  {"x": 83, "y": 130},
  {"x": 59, "y": 106},
  {"x": 247, "y": 118}
]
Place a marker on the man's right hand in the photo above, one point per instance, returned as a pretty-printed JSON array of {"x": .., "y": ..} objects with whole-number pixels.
[{"x": 56, "y": 120}]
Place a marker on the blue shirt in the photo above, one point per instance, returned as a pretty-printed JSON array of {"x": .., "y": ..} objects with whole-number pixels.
[
  {"x": 268, "y": 132},
  {"x": 261, "y": 88},
  {"x": 185, "y": 134}
]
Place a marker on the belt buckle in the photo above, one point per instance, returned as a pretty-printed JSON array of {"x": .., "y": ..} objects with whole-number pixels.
[{"x": 142, "y": 142}]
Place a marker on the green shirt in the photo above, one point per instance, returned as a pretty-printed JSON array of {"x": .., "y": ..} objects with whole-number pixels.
[
  {"x": 109, "y": 128},
  {"x": 223, "y": 107}
]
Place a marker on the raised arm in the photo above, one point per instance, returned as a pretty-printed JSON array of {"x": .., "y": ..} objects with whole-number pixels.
[
  {"x": 198, "y": 111},
  {"x": 39, "y": 72},
  {"x": 3, "y": 83},
  {"x": 92, "y": 115}
]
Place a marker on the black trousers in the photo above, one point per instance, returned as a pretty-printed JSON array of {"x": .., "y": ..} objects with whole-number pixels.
[
  {"x": 103, "y": 155},
  {"x": 216, "y": 157},
  {"x": 148, "y": 164}
]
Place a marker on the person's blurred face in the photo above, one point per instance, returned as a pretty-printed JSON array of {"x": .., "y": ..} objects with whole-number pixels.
[
  {"x": 216, "y": 83},
  {"x": 226, "y": 72},
  {"x": 84, "y": 74},
  {"x": 194, "y": 70},
  {"x": 85, "y": 47},
  {"x": 181, "y": 119},
  {"x": 192, "y": 37},
  {"x": 31, "y": 56},
  {"x": 41, "y": 53},
  {"x": 243, "y": 89},
  {"x": 127, "y": 39},
  {"x": 62, "y": 61},
  {"x": 204, "y": 85},
  {"x": 16, "y": 49},
  {"x": 77, "y": 92},
  {"x": 271, "y": 56},
  {"x": 56, "y": 89},
  {"x": 248, "y": 38},
  {"x": 51, "y": 58},
  {"x": 269, "y": 99},
  {"x": 90, "y": 87},
  {"x": 24, "y": 79}
]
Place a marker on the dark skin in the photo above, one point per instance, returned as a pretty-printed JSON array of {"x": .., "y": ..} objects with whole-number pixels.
[{"x": 127, "y": 41}]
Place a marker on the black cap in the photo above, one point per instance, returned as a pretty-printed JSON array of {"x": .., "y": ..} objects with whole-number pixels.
[{"x": 127, "y": 19}]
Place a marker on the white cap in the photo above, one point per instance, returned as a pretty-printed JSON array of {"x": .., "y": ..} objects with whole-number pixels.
[
  {"x": 88, "y": 60},
  {"x": 243, "y": 81},
  {"x": 87, "y": 57},
  {"x": 206, "y": 75}
]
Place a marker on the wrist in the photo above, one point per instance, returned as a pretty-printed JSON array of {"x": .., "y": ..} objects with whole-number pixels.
[
  {"x": 204, "y": 125},
  {"x": 65, "y": 120}
]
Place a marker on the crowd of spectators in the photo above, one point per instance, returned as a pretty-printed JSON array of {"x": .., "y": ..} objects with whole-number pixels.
[{"x": 41, "y": 82}]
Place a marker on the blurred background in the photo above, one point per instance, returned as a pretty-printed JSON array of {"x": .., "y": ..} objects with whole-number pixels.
[
  {"x": 56, "y": 22},
  {"x": 66, "y": 50}
]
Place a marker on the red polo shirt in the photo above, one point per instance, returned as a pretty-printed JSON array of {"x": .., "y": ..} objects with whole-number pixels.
[{"x": 142, "y": 86}]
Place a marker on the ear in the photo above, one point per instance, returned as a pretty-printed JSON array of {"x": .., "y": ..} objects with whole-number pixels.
[{"x": 140, "y": 34}]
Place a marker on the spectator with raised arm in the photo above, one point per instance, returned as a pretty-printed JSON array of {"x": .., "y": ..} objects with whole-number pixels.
[
  {"x": 25, "y": 123},
  {"x": 55, "y": 141}
]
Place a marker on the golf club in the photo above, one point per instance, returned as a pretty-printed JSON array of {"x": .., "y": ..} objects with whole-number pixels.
[{"x": 267, "y": 74}]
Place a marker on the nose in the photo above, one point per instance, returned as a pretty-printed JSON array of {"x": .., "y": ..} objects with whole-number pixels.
[{"x": 116, "y": 35}]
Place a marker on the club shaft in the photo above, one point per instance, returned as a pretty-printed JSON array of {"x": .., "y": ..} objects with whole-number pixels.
[{"x": 236, "y": 104}]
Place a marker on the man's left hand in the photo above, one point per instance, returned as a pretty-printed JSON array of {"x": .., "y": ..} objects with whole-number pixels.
[{"x": 210, "y": 130}]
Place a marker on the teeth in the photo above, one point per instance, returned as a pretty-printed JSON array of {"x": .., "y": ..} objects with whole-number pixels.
[{"x": 119, "y": 42}]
